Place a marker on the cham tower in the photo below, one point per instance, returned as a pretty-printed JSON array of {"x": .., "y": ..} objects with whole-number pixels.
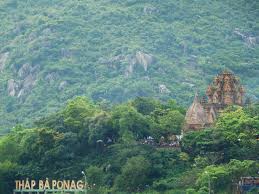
[{"x": 225, "y": 90}]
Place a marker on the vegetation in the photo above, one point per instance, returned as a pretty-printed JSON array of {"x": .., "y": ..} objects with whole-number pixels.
[
  {"x": 55, "y": 50},
  {"x": 118, "y": 54},
  {"x": 105, "y": 142}
]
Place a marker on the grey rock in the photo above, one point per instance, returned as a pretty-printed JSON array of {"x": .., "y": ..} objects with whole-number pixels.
[
  {"x": 26, "y": 85},
  {"x": 27, "y": 76},
  {"x": 113, "y": 61},
  {"x": 191, "y": 85},
  {"x": 237, "y": 32},
  {"x": 140, "y": 58},
  {"x": 3, "y": 59},
  {"x": 32, "y": 36},
  {"x": 129, "y": 70},
  {"x": 29, "y": 82},
  {"x": 51, "y": 77},
  {"x": 144, "y": 59},
  {"x": 12, "y": 87},
  {"x": 62, "y": 85},
  {"x": 250, "y": 41},
  {"x": 150, "y": 10},
  {"x": 66, "y": 53},
  {"x": 24, "y": 70},
  {"x": 46, "y": 32},
  {"x": 21, "y": 93},
  {"x": 163, "y": 89}
]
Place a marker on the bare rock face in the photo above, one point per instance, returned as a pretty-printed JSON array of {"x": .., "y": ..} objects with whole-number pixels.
[
  {"x": 24, "y": 70},
  {"x": 26, "y": 80},
  {"x": 22, "y": 87},
  {"x": 51, "y": 77},
  {"x": 163, "y": 89},
  {"x": 27, "y": 69},
  {"x": 250, "y": 40},
  {"x": 65, "y": 53},
  {"x": 150, "y": 10},
  {"x": 29, "y": 82},
  {"x": 62, "y": 85},
  {"x": 113, "y": 61},
  {"x": 139, "y": 58},
  {"x": 144, "y": 59},
  {"x": 12, "y": 87},
  {"x": 26, "y": 85},
  {"x": 129, "y": 70},
  {"x": 3, "y": 59}
]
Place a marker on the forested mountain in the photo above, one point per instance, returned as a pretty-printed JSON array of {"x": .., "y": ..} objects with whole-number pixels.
[{"x": 113, "y": 50}]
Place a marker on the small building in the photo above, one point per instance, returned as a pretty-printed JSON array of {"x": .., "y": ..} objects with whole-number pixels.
[{"x": 225, "y": 90}]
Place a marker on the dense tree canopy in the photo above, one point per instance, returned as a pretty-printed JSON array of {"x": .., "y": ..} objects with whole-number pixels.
[{"x": 107, "y": 143}]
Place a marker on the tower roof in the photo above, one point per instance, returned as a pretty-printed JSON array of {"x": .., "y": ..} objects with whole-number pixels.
[{"x": 196, "y": 113}]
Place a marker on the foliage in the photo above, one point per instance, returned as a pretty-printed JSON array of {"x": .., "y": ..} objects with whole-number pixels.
[
  {"x": 222, "y": 176},
  {"x": 134, "y": 175},
  {"x": 87, "y": 48},
  {"x": 106, "y": 143},
  {"x": 95, "y": 176}
]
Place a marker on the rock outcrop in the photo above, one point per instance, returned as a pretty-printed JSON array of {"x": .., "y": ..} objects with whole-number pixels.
[
  {"x": 62, "y": 85},
  {"x": 250, "y": 40},
  {"x": 150, "y": 10},
  {"x": 12, "y": 87},
  {"x": 27, "y": 84},
  {"x": 51, "y": 77},
  {"x": 144, "y": 59},
  {"x": 163, "y": 89},
  {"x": 25, "y": 81},
  {"x": 3, "y": 59},
  {"x": 139, "y": 58}
]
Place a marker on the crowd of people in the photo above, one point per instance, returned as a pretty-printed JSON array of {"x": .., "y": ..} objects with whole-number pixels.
[{"x": 172, "y": 142}]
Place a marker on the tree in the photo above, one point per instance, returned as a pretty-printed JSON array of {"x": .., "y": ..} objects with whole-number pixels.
[
  {"x": 145, "y": 105},
  {"x": 171, "y": 123},
  {"x": 76, "y": 113},
  {"x": 237, "y": 121},
  {"x": 100, "y": 128},
  {"x": 8, "y": 171},
  {"x": 134, "y": 175},
  {"x": 95, "y": 176},
  {"x": 221, "y": 177},
  {"x": 126, "y": 118},
  {"x": 9, "y": 148}
]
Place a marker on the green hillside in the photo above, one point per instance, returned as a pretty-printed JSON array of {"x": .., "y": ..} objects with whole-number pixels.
[{"x": 112, "y": 50}]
